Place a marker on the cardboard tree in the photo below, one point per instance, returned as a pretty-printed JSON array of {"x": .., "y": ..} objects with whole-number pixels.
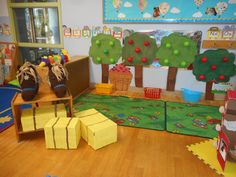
[
  {"x": 138, "y": 51},
  {"x": 105, "y": 50},
  {"x": 214, "y": 66},
  {"x": 176, "y": 51}
]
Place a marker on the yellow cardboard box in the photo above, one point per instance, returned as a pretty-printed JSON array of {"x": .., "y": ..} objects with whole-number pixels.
[
  {"x": 62, "y": 133},
  {"x": 96, "y": 128},
  {"x": 87, "y": 118},
  {"x": 36, "y": 118},
  {"x": 104, "y": 88},
  {"x": 102, "y": 134},
  {"x": 27, "y": 119},
  {"x": 44, "y": 113},
  {"x": 85, "y": 113}
]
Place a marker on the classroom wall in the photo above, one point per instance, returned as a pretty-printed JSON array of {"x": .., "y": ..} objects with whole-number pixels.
[
  {"x": 4, "y": 19},
  {"x": 89, "y": 12},
  {"x": 78, "y": 13},
  {"x": 3, "y": 8}
]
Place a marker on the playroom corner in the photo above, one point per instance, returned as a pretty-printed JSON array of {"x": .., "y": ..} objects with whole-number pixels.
[{"x": 133, "y": 88}]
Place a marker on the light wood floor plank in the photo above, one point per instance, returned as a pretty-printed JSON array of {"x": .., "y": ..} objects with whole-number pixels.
[{"x": 138, "y": 153}]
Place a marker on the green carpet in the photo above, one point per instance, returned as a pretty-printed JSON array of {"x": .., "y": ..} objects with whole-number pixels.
[
  {"x": 192, "y": 119},
  {"x": 133, "y": 112},
  {"x": 182, "y": 118}
]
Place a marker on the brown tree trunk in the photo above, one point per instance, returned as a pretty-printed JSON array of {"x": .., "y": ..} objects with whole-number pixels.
[
  {"x": 105, "y": 73},
  {"x": 138, "y": 75},
  {"x": 208, "y": 94},
  {"x": 171, "y": 78}
]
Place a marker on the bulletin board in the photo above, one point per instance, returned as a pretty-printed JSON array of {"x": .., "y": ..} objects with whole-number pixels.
[{"x": 169, "y": 11}]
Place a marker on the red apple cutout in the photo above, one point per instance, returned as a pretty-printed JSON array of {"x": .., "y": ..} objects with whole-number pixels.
[
  {"x": 221, "y": 77},
  {"x": 146, "y": 43},
  {"x": 201, "y": 77},
  {"x": 204, "y": 59},
  {"x": 130, "y": 59},
  {"x": 144, "y": 60},
  {"x": 225, "y": 59},
  {"x": 130, "y": 41},
  {"x": 213, "y": 67},
  {"x": 137, "y": 50}
]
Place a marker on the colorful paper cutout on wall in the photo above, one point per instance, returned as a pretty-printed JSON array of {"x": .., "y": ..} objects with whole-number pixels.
[
  {"x": 227, "y": 33},
  {"x": 7, "y": 57},
  {"x": 5, "y": 32},
  {"x": 169, "y": 11},
  {"x": 88, "y": 32},
  {"x": 5, "y": 29}
]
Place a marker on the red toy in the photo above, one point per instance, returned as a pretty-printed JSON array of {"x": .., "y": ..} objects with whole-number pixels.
[{"x": 152, "y": 92}]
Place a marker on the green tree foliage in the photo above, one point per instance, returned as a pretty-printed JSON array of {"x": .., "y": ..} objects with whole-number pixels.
[
  {"x": 139, "y": 49},
  {"x": 176, "y": 50},
  {"x": 214, "y": 65},
  {"x": 105, "y": 49}
]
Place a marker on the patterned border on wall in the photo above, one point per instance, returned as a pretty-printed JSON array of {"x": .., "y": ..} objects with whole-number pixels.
[{"x": 169, "y": 11}]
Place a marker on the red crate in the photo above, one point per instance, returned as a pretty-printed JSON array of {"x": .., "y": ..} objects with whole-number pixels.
[
  {"x": 152, "y": 92},
  {"x": 231, "y": 95}
]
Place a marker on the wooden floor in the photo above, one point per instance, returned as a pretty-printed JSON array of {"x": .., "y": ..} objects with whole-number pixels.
[{"x": 138, "y": 153}]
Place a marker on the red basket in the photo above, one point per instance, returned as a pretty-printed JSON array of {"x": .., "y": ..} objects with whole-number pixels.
[{"x": 152, "y": 92}]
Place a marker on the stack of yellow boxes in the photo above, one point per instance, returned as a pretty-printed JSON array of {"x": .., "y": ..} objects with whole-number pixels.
[
  {"x": 28, "y": 119},
  {"x": 45, "y": 113},
  {"x": 36, "y": 118},
  {"x": 96, "y": 128},
  {"x": 62, "y": 133}
]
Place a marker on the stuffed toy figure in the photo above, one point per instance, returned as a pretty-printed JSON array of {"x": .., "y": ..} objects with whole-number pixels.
[
  {"x": 29, "y": 81},
  {"x": 57, "y": 76}
]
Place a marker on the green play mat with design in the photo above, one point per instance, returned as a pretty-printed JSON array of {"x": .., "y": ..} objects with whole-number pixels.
[
  {"x": 133, "y": 112},
  {"x": 182, "y": 118},
  {"x": 192, "y": 119}
]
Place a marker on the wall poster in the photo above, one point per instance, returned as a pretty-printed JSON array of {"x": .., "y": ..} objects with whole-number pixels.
[{"x": 169, "y": 11}]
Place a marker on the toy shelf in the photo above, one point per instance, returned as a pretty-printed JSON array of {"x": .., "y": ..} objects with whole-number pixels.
[
  {"x": 43, "y": 97},
  {"x": 224, "y": 44}
]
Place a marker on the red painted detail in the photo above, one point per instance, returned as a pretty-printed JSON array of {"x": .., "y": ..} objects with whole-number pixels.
[
  {"x": 221, "y": 77},
  {"x": 213, "y": 67},
  {"x": 146, "y": 43},
  {"x": 201, "y": 77},
  {"x": 222, "y": 148},
  {"x": 144, "y": 60},
  {"x": 204, "y": 59},
  {"x": 137, "y": 50},
  {"x": 130, "y": 41},
  {"x": 225, "y": 59},
  {"x": 130, "y": 59}
]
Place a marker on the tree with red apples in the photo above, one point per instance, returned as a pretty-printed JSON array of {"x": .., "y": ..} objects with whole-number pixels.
[
  {"x": 139, "y": 50},
  {"x": 176, "y": 51},
  {"x": 214, "y": 66}
]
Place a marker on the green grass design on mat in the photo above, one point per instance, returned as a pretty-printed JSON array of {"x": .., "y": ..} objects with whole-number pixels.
[
  {"x": 133, "y": 112},
  {"x": 192, "y": 119}
]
